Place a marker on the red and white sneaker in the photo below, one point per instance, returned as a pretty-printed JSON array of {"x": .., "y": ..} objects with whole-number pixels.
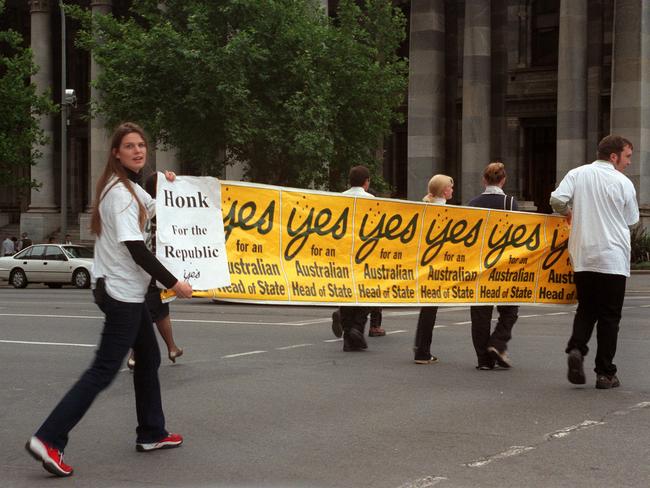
[
  {"x": 51, "y": 457},
  {"x": 172, "y": 440}
]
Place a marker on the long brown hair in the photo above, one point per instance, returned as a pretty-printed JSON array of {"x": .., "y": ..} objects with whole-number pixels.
[{"x": 114, "y": 168}]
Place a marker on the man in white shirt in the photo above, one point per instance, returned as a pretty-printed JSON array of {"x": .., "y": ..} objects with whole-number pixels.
[
  {"x": 352, "y": 319},
  {"x": 600, "y": 205},
  {"x": 8, "y": 247}
]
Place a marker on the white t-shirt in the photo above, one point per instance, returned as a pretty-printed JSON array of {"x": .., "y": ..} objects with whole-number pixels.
[
  {"x": 604, "y": 205},
  {"x": 8, "y": 247},
  {"x": 358, "y": 191},
  {"x": 125, "y": 280}
]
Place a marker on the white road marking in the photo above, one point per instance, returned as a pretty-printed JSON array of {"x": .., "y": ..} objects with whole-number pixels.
[
  {"x": 197, "y": 321},
  {"x": 424, "y": 482},
  {"x": 510, "y": 452},
  {"x": 558, "y": 434},
  {"x": 51, "y": 316},
  {"x": 292, "y": 347},
  {"x": 48, "y": 343},
  {"x": 242, "y": 354},
  {"x": 639, "y": 406},
  {"x": 398, "y": 331},
  {"x": 333, "y": 340}
]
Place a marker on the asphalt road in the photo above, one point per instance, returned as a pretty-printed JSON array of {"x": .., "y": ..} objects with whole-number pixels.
[{"x": 265, "y": 397}]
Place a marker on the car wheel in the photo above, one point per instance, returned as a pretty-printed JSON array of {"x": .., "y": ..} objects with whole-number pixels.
[
  {"x": 18, "y": 278},
  {"x": 81, "y": 278},
  {"x": 54, "y": 285}
]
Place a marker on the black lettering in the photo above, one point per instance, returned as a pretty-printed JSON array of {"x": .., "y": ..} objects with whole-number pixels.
[
  {"x": 322, "y": 224},
  {"x": 244, "y": 217},
  {"x": 511, "y": 238},
  {"x": 384, "y": 229},
  {"x": 454, "y": 232},
  {"x": 557, "y": 251}
]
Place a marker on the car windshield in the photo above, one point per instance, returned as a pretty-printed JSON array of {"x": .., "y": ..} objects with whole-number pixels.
[{"x": 78, "y": 252}]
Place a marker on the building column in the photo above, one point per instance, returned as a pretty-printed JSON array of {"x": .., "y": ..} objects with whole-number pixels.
[
  {"x": 594, "y": 75},
  {"x": 426, "y": 95},
  {"x": 630, "y": 116},
  {"x": 39, "y": 220},
  {"x": 572, "y": 87},
  {"x": 99, "y": 136},
  {"x": 499, "y": 68},
  {"x": 476, "y": 97}
]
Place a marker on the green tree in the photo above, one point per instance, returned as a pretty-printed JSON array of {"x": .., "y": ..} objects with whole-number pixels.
[
  {"x": 271, "y": 83},
  {"x": 370, "y": 81},
  {"x": 20, "y": 110}
]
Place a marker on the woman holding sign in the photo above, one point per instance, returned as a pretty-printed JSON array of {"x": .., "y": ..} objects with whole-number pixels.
[
  {"x": 158, "y": 310},
  {"x": 123, "y": 267},
  {"x": 441, "y": 189},
  {"x": 491, "y": 347}
]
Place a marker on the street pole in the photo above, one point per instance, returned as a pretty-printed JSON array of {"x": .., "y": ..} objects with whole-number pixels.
[{"x": 64, "y": 133}]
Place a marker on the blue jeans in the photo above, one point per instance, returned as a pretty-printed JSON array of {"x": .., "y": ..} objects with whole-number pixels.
[{"x": 127, "y": 325}]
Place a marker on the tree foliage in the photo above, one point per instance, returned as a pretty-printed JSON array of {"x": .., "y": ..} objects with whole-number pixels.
[
  {"x": 271, "y": 83},
  {"x": 20, "y": 110}
]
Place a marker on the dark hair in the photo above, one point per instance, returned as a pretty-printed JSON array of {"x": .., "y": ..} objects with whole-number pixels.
[
  {"x": 150, "y": 184},
  {"x": 358, "y": 175},
  {"x": 494, "y": 173},
  {"x": 612, "y": 144},
  {"x": 114, "y": 168}
]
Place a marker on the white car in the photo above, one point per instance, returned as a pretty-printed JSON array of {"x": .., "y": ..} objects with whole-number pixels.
[{"x": 53, "y": 264}]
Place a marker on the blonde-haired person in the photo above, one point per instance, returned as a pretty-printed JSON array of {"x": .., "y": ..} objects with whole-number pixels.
[
  {"x": 122, "y": 269},
  {"x": 491, "y": 347},
  {"x": 440, "y": 189}
]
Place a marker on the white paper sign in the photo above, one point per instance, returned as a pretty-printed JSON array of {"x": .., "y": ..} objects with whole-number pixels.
[{"x": 190, "y": 241}]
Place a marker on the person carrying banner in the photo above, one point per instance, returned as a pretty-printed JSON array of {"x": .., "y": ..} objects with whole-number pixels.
[
  {"x": 491, "y": 347},
  {"x": 375, "y": 313},
  {"x": 352, "y": 318},
  {"x": 440, "y": 189},
  {"x": 122, "y": 269},
  {"x": 158, "y": 310},
  {"x": 600, "y": 204}
]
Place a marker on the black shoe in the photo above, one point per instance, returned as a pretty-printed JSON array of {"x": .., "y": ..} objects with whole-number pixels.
[
  {"x": 337, "y": 328},
  {"x": 500, "y": 358},
  {"x": 576, "y": 372},
  {"x": 605, "y": 382},
  {"x": 353, "y": 340}
]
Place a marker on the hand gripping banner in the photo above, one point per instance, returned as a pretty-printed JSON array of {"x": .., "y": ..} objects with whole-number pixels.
[{"x": 290, "y": 246}]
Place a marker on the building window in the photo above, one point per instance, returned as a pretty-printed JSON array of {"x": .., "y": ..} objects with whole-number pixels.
[{"x": 545, "y": 31}]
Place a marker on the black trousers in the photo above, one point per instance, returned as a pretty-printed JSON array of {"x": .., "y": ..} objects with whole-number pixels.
[
  {"x": 600, "y": 302},
  {"x": 354, "y": 318},
  {"x": 127, "y": 325},
  {"x": 424, "y": 332},
  {"x": 482, "y": 325},
  {"x": 375, "y": 317}
]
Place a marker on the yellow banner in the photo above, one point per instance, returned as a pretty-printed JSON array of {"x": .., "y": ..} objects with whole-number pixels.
[{"x": 302, "y": 247}]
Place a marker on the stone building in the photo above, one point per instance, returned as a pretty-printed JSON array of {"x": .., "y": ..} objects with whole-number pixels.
[{"x": 535, "y": 83}]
